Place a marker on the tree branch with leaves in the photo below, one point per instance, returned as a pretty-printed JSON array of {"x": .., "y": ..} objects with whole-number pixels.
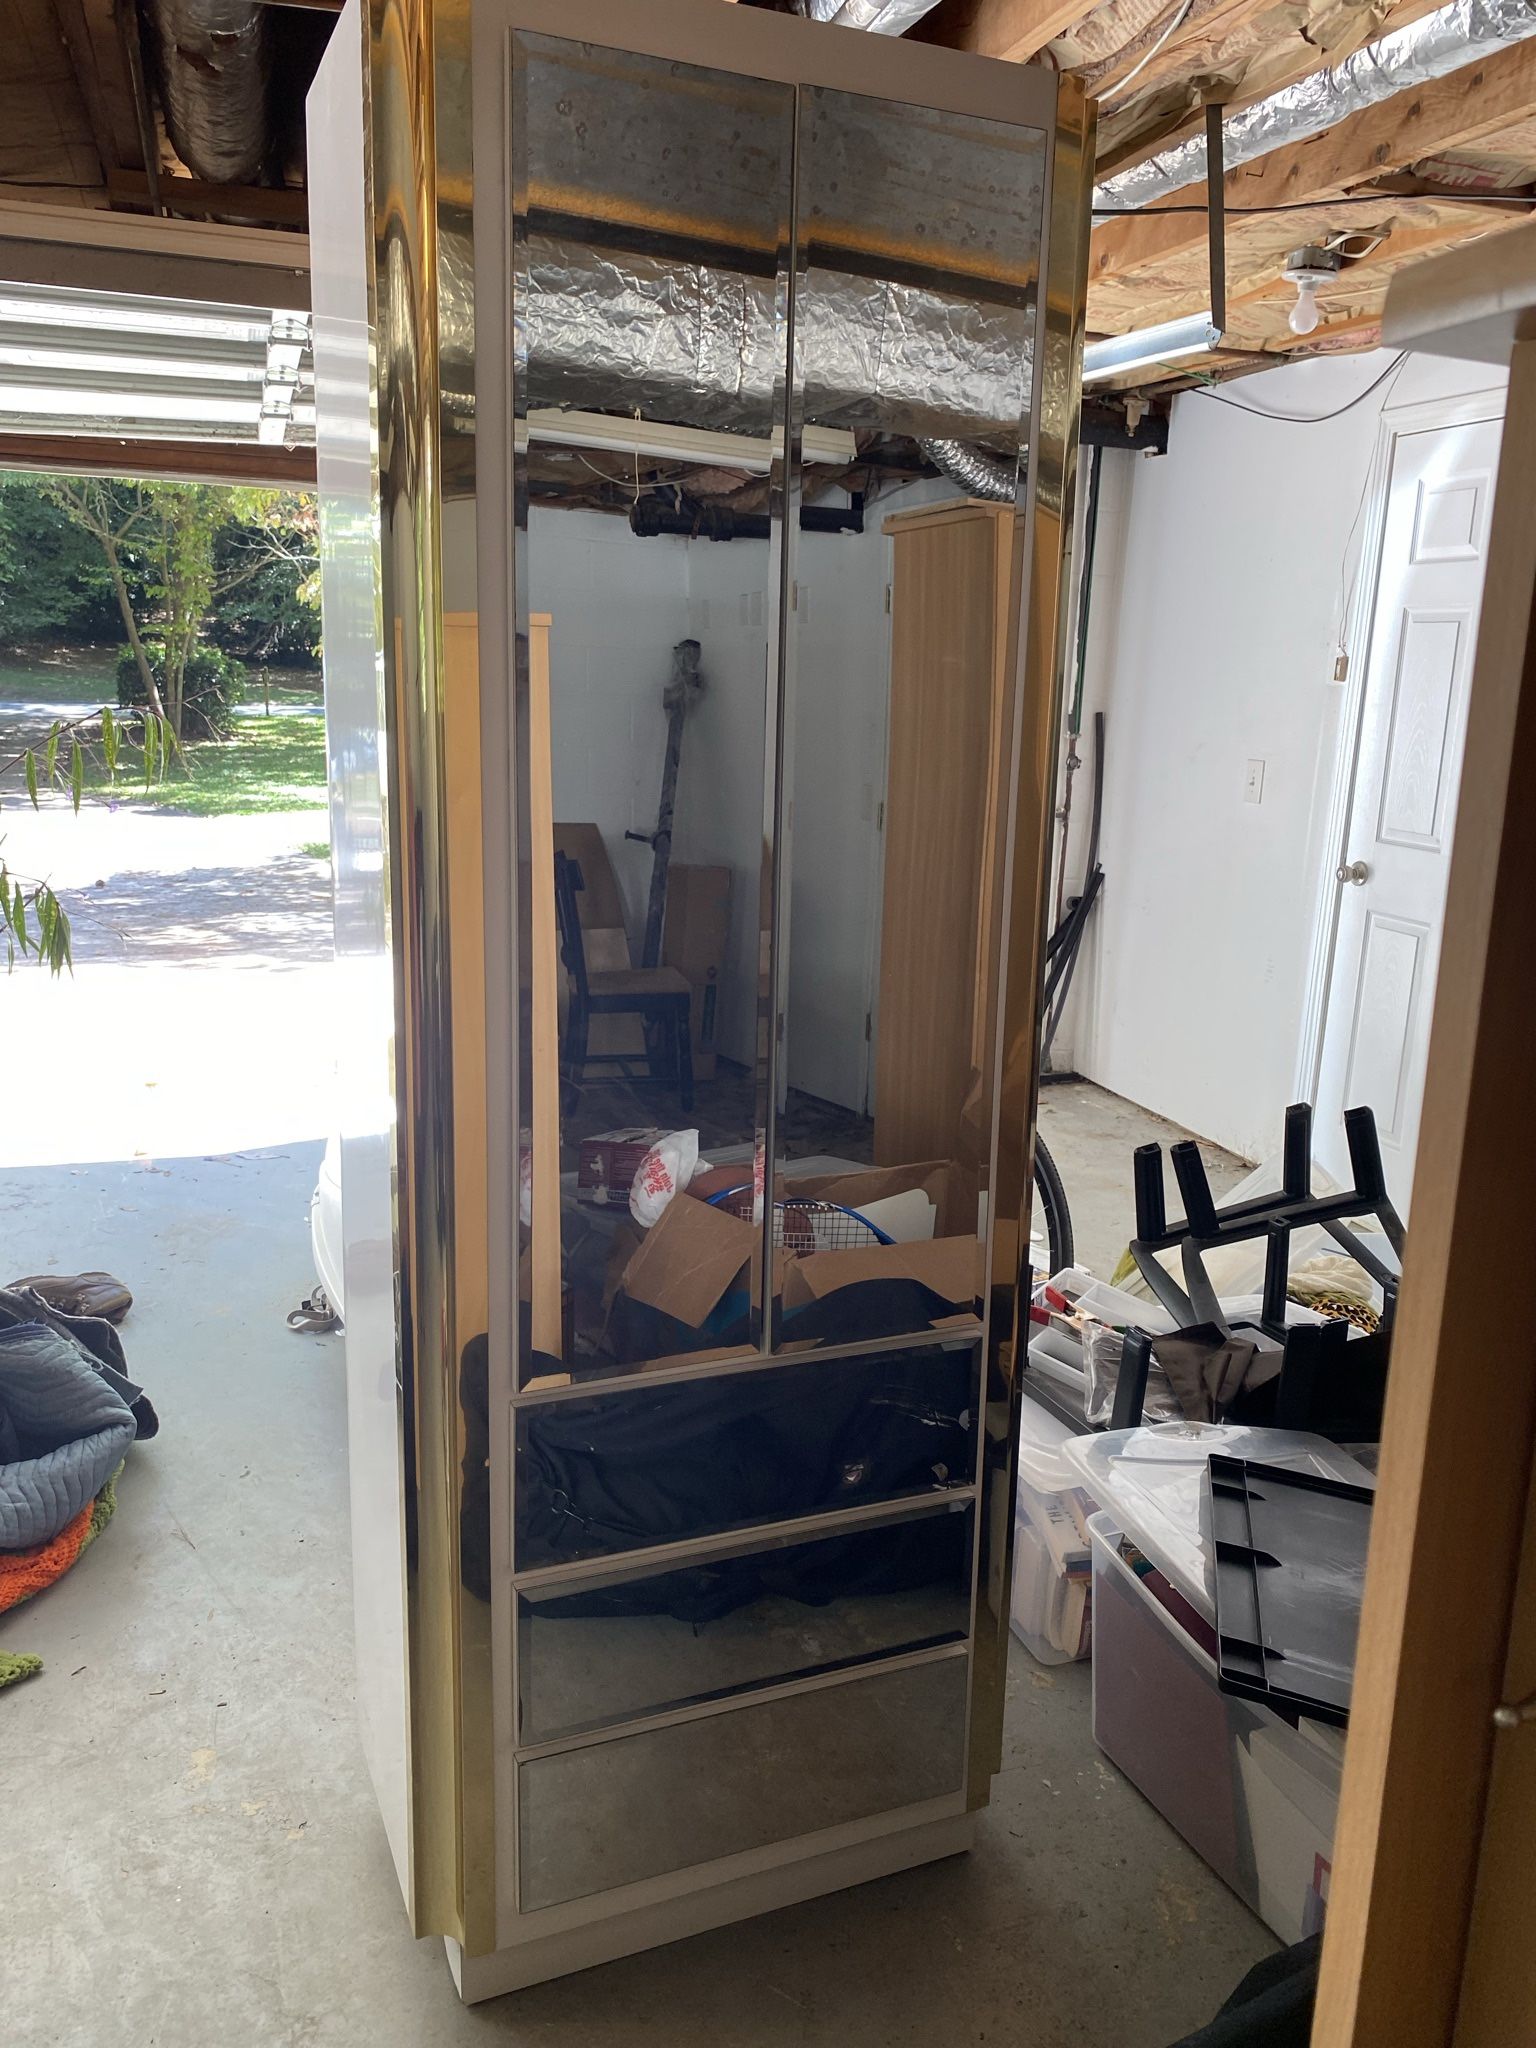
[{"x": 33, "y": 922}]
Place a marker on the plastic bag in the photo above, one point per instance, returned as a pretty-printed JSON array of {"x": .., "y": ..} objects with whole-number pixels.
[
  {"x": 664, "y": 1172},
  {"x": 1103, "y": 1349}
]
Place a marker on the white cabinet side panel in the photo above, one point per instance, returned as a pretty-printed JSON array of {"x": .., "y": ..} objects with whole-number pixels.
[{"x": 356, "y": 746}]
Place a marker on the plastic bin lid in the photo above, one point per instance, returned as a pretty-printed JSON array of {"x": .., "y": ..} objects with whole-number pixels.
[
  {"x": 1041, "y": 1436},
  {"x": 1290, "y": 1573},
  {"x": 1152, "y": 1480}
]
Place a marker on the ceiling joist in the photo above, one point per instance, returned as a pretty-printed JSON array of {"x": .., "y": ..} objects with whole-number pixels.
[
  {"x": 1012, "y": 29},
  {"x": 1448, "y": 114}
]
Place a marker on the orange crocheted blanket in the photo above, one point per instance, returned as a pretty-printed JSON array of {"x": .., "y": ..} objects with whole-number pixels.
[{"x": 25, "y": 1572}]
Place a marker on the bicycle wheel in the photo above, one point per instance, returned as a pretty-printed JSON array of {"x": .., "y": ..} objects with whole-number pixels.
[{"x": 1051, "y": 1219}]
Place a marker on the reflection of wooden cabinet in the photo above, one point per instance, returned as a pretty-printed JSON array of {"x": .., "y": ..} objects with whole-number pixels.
[{"x": 949, "y": 648}]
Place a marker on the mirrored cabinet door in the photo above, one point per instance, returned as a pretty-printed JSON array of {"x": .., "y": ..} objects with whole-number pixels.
[
  {"x": 916, "y": 269},
  {"x": 649, "y": 300},
  {"x": 766, "y": 661}
]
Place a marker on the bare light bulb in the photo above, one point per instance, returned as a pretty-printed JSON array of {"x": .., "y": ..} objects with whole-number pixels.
[{"x": 1306, "y": 312}]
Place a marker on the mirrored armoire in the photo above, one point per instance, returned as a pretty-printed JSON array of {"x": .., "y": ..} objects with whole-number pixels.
[{"x": 691, "y": 733}]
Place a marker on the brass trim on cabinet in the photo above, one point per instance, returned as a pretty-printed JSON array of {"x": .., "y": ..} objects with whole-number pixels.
[
  {"x": 434, "y": 768},
  {"x": 1039, "y": 617}
]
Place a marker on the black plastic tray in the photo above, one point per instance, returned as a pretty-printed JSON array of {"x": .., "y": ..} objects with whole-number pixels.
[{"x": 1290, "y": 1571}]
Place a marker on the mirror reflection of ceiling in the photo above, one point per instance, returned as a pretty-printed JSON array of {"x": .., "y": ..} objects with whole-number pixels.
[{"x": 652, "y": 238}]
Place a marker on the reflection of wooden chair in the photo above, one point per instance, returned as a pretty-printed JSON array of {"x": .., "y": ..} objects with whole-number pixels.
[{"x": 658, "y": 996}]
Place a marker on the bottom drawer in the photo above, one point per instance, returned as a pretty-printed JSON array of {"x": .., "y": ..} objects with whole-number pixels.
[{"x": 614, "y": 1812}]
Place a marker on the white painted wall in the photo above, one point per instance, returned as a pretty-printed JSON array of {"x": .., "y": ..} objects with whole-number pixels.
[
  {"x": 619, "y": 605},
  {"x": 720, "y": 788},
  {"x": 1218, "y": 604}
]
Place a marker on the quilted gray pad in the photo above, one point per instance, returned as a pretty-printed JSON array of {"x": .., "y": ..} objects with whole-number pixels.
[{"x": 63, "y": 1432}]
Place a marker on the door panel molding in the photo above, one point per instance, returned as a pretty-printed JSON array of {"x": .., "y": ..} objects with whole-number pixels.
[{"x": 1469, "y": 409}]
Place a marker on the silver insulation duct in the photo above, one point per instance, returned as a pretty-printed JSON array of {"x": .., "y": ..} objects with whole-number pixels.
[
  {"x": 1442, "y": 42},
  {"x": 701, "y": 346},
  {"x": 215, "y": 62},
  {"x": 977, "y": 474},
  {"x": 881, "y": 17}
]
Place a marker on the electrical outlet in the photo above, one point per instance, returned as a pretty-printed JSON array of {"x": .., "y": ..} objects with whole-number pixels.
[{"x": 1253, "y": 783}]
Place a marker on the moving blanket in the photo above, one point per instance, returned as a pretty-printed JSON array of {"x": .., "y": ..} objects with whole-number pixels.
[{"x": 63, "y": 1432}]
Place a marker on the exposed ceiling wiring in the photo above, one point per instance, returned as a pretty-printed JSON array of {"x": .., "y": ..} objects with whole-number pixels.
[
  {"x": 1181, "y": 15},
  {"x": 1307, "y": 419}
]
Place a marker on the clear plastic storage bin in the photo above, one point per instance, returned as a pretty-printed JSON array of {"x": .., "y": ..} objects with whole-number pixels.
[
  {"x": 1152, "y": 1481},
  {"x": 1052, "y": 1563},
  {"x": 1256, "y": 1798}
]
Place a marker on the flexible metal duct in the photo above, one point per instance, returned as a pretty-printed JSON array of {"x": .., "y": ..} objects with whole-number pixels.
[
  {"x": 215, "y": 64},
  {"x": 977, "y": 474},
  {"x": 1446, "y": 41},
  {"x": 881, "y": 17},
  {"x": 701, "y": 347}
]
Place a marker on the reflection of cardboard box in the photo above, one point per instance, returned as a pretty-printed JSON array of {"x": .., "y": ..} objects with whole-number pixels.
[
  {"x": 949, "y": 1263},
  {"x": 598, "y": 902},
  {"x": 688, "y": 1259},
  {"x": 697, "y": 932},
  {"x": 694, "y": 1254}
]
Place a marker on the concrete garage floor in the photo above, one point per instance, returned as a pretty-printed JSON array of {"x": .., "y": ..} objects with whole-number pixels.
[{"x": 190, "y": 1850}]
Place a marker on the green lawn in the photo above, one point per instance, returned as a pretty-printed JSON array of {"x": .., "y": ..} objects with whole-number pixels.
[
  {"x": 270, "y": 762},
  {"x": 72, "y": 677},
  {"x": 267, "y": 764}
]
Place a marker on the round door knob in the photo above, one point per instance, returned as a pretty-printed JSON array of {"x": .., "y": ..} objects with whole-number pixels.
[{"x": 1354, "y": 871}]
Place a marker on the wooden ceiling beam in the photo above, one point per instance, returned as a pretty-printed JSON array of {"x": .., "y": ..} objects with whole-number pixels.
[
  {"x": 214, "y": 462},
  {"x": 1244, "y": 55},
  {"x": 1447, "y": 114},
  {"x": 96, "y": 21},
  {"x": 1011, "y": 29},
  {"x": 1259, "y": 305},
  {"x": 70, "y": 18},
  {"x": 1257, "y": 247},
  {"x": 282, "y": 206}
]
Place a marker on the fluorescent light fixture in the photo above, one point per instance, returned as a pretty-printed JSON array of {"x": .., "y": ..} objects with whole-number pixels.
[
  {"x": 109, "y": 363},
  {"x": 65, "y": 401},
  {"x": 127, "y": 316},
  {"x": 1196, "y": 335},
  {"x": 661, "y": 442}
]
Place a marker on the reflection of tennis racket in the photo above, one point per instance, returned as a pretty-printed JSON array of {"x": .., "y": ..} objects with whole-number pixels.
[{"x": 801, "y": 1226}]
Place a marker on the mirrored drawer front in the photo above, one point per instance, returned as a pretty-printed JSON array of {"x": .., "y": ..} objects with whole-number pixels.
[
  {"x": 638, "y": 1644},
  {"x": 639, "y": 1806},
  {"x": 642, "y": 1465}
]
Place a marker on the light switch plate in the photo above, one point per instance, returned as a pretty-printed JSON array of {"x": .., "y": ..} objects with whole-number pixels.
[{"x": 1253, "y": 783}]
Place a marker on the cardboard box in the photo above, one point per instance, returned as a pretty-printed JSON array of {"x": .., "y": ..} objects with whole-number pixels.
[
  {"x": 949, "y": 1262},
  {"x": 695, "y": 1255},
  {"x": 694, "y": 939},
  {"x": 689, "y": 1259},
  {"x": 598, "y": 902},
  {"x": 604, "y": 939}
]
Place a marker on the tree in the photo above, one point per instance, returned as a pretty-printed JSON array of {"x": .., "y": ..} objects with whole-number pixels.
[
  {"x": 53, "y": 580},
  {"x": 113, "y": 519},
  {"x": 274, "y": 616},
  {"x": 171, "y": 532}
]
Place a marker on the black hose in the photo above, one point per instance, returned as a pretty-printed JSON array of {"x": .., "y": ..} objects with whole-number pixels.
[{"x": 1059, "y": 977}]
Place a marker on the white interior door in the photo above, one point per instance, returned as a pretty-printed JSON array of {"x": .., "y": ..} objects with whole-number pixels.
[{"x": 1396, "y": 851}]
